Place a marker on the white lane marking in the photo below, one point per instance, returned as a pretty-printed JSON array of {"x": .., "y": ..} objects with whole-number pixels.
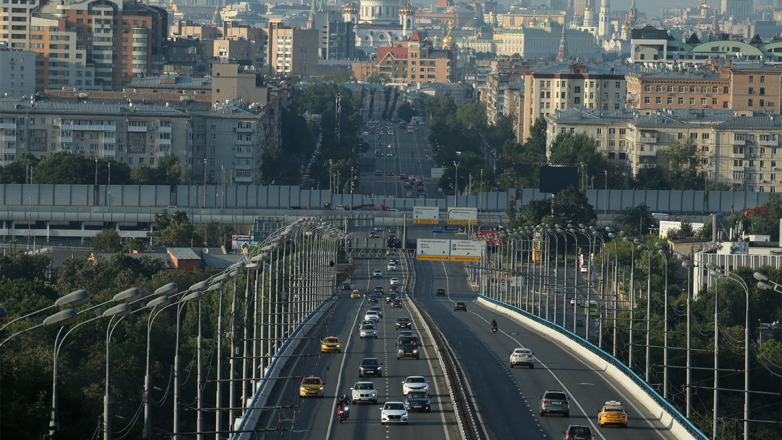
[
  {"x": 466, "y": 380},
  {"x": 431, "y": 370},
  {"x": 344, "y": 357},
  {"x": 572, "y": 396}
]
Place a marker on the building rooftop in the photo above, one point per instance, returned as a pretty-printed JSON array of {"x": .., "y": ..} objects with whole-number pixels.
[
  {"x": 85, "y": 108},
  {"x": 183, "y": 254},
  {"x": 172, "y": 82},
  {"x": 591, "y": 69}
]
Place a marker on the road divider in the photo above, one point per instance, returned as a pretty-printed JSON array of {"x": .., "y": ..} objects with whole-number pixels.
[
  {"x": 660, "y": 408},
  {"x": 453, "y": 375}
]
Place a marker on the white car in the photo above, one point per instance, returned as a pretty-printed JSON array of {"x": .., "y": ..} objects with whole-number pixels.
[
  {"x": 522, "y": 356},
  {"x": 394, "y": 281},
  {"x": 377, "y": 273},
  {"x": 366, "y": 322},
  {"x": 415, "y": 383},
  {"x": 393, "y": 412},
  {"x": 377, "y": 309},
  {"x": 372, "y": 316},
  {"x": 368, "y": 331},
  {"x": 364, "y": 391},
  {"x": 391, "y": 266}
]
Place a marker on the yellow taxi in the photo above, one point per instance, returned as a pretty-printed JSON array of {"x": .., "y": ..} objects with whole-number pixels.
[
  {"x": 311, "y": 386},
  {"x": 355, "y": 295},
  {"x": 612, "y": 414},
  {"x": 330, "y": 343}
]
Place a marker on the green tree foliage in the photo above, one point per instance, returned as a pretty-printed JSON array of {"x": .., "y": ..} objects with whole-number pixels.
[
  {"x": 18, "y": 170},
  {"x": 651, "y": 177},
  {"x": 405, "y": 112},
  {"x": 132, "y": 244},
  {"x": 375, "y": 78},
  {"x": 65, "y": 168},
  {"x": 168, "y": 171},
  {"x": 578, "y": 149},
  {"x": 679, "y": 158},
  {"x": 298, "y": 144},
  {"x": 107, "y": 240},
  {"x": 569, "y": 206},
  {"x": 635, "y": 221},
  {"x": 175, "y": 230},
  {"x": 342, "y": 75},
  {"x": 19, "y": 265}
]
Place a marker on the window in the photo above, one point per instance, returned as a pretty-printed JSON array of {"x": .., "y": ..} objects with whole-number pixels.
[
  {"x": 622, "y": 131},
  {"x": 762, "y": 79},
  {"x": 681, "y": 101},
  {"x": 658, "y": 100},
  {"x": 751, "y": 90},
  {"x": 681, "y": 89},
  {"x": 659, "y": 89},
  {"x": 647, "y": 88},
  {"x": 670, "y": 89},
  {"x": 611, "y": 131},
  {"x": 715, "y": 90},
  {"x": 713, "y": 101},
  {"x": 599, "y": 131},
  {"x": 762, "y": 91},
  {"x": 669, "y": 100},
  {"x": 647, "y": 100},
  {"x": 749, "y": 102},
  {"x": 692, "y": 101},
  {"x": 751, "y": 79},
  {"x": 703, "y": 101}
]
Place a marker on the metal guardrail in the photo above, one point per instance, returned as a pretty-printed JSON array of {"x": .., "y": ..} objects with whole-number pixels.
[
  {"x": 453, "y": 374},
  {"x": 654, "y": 395}
]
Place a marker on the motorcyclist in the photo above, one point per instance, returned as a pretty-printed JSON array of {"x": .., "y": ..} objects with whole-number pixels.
[{"x": 494, "y": 323}]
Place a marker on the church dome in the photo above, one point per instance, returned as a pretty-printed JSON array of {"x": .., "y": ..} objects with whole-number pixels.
[
  {"x": 407, "y": 9},
  {"x": 625, "y": 26},
  {"x": 351, "y": 8},
  {"x": 589, "y": 9}
]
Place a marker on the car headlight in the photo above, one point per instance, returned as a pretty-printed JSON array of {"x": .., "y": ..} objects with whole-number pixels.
[
  {"x": 302, "y": 389},
  {"x": 415, "y": 351},
  {"x": 320, "y": 388}
]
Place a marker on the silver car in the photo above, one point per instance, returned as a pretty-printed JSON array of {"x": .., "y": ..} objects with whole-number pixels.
[
  {"x": 522, "y": 356},
  {"x": 364, "y": 391},
  {"x": 554, "y": 401},
  {"x": 368, "y": 331}
]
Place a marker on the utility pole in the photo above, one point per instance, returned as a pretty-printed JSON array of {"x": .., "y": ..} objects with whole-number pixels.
[
  {"x": 339, "y": 117},
  {"x": 456, "y": 184},
  {"x": 605, "y": 196},
  {"x": 331, "y": 178},
  {"x": 205, "y": 183},
  {"x": 222, "y": 197}
]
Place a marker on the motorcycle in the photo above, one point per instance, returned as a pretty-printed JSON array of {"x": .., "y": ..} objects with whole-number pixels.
[
  {"x": 343, "y": 412},
  {"x": 494, "y": 329}
]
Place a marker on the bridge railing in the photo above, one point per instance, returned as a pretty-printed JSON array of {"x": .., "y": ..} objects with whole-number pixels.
[{"x": 657, "y": 405}]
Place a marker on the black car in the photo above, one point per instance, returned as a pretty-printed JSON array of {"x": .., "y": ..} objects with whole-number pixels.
[
  {"x": 578, "y": 432},
  {"x": 417, "y": 401},
  {"x": 346, "y": 286},
  {"x": 378, "y": 173},
  {"x": 407, "y": 346},
  {"x": 390, "y": 297},
  {"x": 404, "y": 323},
  {"x": 370, "y": 367},
  {"x": 379, "y": 289},
  {"x": 390, "y": 173},
  {"x": 460, "y": 306},
  {"x": 372, "y": 299},
  {"x": 440, "y": 292}
]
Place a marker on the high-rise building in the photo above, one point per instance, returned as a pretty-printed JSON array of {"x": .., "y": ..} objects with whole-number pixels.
[
  {"x": 17, "y": 72},
  {"x": 293, "y": 51},
  {"x": 337, "y": 39},
  {"x": 96, "y": 45},
  {"x": 740, "y": 10}
]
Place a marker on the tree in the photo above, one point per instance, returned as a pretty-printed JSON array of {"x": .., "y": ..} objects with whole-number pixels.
[
  {"x": 18, "y": 171},
  {"x": 375, "y": 78},
  {"x": 107, "y": 240},
  {"x": 132, "y": 244},
  {"x": 342, "y": 75},
  {"x": 578, "y": 149},
  {"x": 679, "y": 157},
  {"x": 651, "y": 177},
  {"x": 636, "y": 221},
  {"x": 405, "y": 112},
  {"x": 534, "y": 149},
  {"x": 572, "y": 206},
  {"x": 471, "y": 114}
]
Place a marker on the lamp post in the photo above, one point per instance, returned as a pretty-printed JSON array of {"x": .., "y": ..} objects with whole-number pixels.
[
  {"x": 646, "y": 248},
  {"x": 601, "y": 304},
  {"x": 665, "y": 253},
  {"x": 456, "y": 184},
  {"x": 715, "y": 424},
  {"x": 615, "y": 239},
  {"x": 626, "y": 237},
  {"x": 572, "y": 233},
  {"x": 558, "y": 229},
  {"x": 690, "y": 291},
  {"x": 588, "y": 309}
]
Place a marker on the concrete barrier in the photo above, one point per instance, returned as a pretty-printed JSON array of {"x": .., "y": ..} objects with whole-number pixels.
[
  {"x": 244, "y": 426},
  {"x": 619, "y": 373}
]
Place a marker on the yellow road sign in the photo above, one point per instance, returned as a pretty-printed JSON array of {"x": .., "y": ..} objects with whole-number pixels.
[
  {"x": 465, "y": 258},
  {"x": 424, "y": 221},
  {"x": 432, "y": 257}
]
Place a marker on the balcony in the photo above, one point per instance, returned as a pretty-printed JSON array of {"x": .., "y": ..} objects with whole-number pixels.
[
  {"x": 243, "y": 142},
  {"x": 111, "y": 141},
  {"x": 244, "y": 129},
  {"x": 9, "y": 151},
  {"x": 738, "y": 155},
  {"x": 735, "y": 168},
  {"x": 164, "y": 141},
  {"x": 66, "y": 139},
  {"x": 740, "y": 142},
  {"x": 649, "y": 138},
  {"x": 769, "y": 143},
  {"x": 137, "y": 128},
  {"x": 90, "y": 127},
  {"x": 165, "y": 129},
  {"x": 8, "y": 138},
  {"x": 243, "y": 179},
  {"x": 10, "y": 125},
  {"x": 108, "y": 153},
  {"x": 647, "y": 153}
]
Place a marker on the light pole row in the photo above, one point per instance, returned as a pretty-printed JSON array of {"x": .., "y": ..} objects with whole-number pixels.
[{"x": 309, "y": 254}]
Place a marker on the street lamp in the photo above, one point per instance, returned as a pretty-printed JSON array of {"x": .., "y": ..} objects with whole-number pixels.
[
  {"x": 665, "y": 253},
  {"x": 626, "y": 237},
  {"x": 646, "y": 248},
  {"x": 615, "y": 239},
  {"x": 456, "y": 184}
]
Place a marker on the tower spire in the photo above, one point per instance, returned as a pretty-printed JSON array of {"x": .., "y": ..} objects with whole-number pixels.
[
  {"x": 715, "y": 26},
  {"x": 562, "y": 53}
]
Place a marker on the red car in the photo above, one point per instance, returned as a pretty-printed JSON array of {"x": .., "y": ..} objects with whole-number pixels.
[{"x": 396, "y": 303}]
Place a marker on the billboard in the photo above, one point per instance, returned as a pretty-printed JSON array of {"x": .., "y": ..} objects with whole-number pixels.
[
  {"x": 492, "y": 238},
  {"x": 554, "y": 179},
  {"x": 437, "y": 250},
  {"x": 462, "y": 216},
  {"x": 536, "y": 250},
  {"x": 467, "y": 250},
  {"x": 426, "y": 215},
  {"x": 437, "y": 174}
]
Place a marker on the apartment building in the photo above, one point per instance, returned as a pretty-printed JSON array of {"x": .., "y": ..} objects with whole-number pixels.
[
  {"x": 732, "y": 87},
  {"x": 737, "y": 148},
  {"x": 560, "y": 86},
  {"x": 17, "y": 72},
  {"x": 337, "y": 40},
  {"x": 232, "y": 137},
  {"x": 411, "y": 61},
  {"x": 293, "y": 51},
  {"x": 231, "y": 41},
  {"x": 96, "y": 44}
]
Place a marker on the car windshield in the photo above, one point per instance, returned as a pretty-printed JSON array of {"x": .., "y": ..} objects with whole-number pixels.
[
  {"x": 312, "y": 381},
  {"x": 614, "y": 409},
  {"x": 394, "y": 406},
  {"x": 579, "y": 430},
  {"x": 375, "y": 308},
  {"x": 415, "y": 380},
  {"x": 403, "y": 320},
  {"x": 332, "y": 340},
  {"x": 416, "y": 395},
  {"x": 408, "y": 341},
  {"x": 370, "y": 362},
  {"x": 555, "y": 396},
  {"x": 368, "y": 327},
  {"x": 364, "y": 386},
  {"x": 372, "y": 312},
  {"x": 522, "y": 351}
]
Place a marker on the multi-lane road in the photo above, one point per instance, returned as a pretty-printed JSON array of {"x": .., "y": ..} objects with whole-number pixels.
[
  {"x": 316, "y": 418},
  {"x": 409, "y": 149}
]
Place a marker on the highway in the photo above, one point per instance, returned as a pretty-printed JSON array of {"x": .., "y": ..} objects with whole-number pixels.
[
  {"x": 508, "y": 398},
  {"x": 315, "y": 419},
  {"x": 409, "y": 157}
]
